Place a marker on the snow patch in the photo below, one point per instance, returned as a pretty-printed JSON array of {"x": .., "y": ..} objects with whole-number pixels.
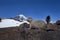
[
  {"x": 11, "y": 23},
  {"x": 22, "y": 17}
]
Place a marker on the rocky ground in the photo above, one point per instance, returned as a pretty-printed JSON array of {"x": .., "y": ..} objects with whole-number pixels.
[{"x": 14, "y": 33}]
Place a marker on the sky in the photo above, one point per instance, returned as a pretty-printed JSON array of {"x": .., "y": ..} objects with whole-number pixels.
[{"x": 36, "y": 9}]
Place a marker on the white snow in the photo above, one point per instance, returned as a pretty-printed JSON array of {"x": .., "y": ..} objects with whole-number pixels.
[
  {"x": 11, "y": 23},
  {"x": 22, "y": 17}
]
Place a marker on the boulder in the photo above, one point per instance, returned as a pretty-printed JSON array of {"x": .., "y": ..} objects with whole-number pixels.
[
  {"x": 38, "y": 24},
  {"x": 58, "y": 22}
]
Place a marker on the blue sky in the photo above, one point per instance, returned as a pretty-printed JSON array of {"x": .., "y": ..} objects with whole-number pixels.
[{"x": 37, "y": 9}]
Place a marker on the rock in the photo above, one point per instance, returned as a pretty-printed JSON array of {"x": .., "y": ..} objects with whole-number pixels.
[
  {"x": 37, "y": 24},
  {"x": 58, "y": 22}
]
